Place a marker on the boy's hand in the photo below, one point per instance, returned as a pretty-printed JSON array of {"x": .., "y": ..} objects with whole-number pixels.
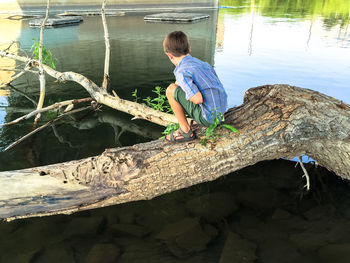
[{"x": 197, "y": 98}]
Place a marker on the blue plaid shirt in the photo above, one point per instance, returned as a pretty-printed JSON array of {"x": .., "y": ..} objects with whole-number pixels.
[{"x": 194, "y": 75}]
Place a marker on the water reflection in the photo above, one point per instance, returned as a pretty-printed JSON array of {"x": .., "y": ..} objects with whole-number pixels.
[
  {"x": 289, "y": 42},
  {"x": 137, "y": 61},
  {"x": 251, "y": 43}
]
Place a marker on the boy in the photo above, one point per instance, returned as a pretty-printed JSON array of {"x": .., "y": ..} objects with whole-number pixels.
[{"x": 197, "y": 90}]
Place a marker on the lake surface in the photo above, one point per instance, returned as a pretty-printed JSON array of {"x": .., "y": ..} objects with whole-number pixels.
[
  {"x": 249, "y": 43},
  {"x": 268, "y": 218}
]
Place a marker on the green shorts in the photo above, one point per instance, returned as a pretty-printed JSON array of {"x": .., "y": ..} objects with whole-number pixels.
[{"x": 194, "y": 111}]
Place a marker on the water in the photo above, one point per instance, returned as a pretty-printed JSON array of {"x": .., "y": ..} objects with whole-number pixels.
[{"x": 250, "y": 43}]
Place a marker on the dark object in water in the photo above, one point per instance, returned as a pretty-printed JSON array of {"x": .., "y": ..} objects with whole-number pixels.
[
  {"x": 62, "y": 21},
  {"x": 175, "y": 17},
  {"x": 90, "y": 13}
]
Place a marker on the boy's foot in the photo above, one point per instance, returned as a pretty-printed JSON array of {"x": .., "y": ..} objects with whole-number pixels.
[
  {"x": 180, "y": 136},
  {"x": 194, "y": 125}
]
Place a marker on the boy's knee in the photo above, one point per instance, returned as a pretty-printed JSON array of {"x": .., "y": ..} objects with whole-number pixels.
[{"x": 171, "y": 90}]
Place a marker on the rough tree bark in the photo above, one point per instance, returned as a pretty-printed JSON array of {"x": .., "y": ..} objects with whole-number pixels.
[{"x": 274, "y": 121}]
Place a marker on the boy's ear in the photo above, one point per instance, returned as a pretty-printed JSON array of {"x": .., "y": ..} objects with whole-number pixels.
[{"x": 170, "y": 56}]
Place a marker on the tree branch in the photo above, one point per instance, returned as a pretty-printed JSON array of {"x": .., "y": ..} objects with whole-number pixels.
[
  {"x": 42, "y": 127},
  {"x": 53, "y": 106},
  {"x": 107, "y": 53},
  {"x": 306, "y": 174},
  {"x": 22, "y": 93},
  {"x": 41, "y": 69},
  {"x": 274, "y": 121},
  {"x": 20, "y": 74},
  {"x": 101, "y": 96}
]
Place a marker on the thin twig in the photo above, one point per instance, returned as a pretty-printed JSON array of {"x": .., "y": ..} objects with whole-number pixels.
[
  {"x": 41, "y": 68},
  {"x": 42, "y": 127},
  {"x": 26, "y": 69},
  {"x": 60, "y": 138},
  {"x": 53, "y": 106},
  {"x": 22, "y": 93},
  {"x": 306, "y": 175},
  {"x": 107, "y": 53},
  {"x": 8, "y": 48}
]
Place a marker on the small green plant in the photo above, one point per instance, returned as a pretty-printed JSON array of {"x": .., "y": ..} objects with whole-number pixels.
[
  {"x": 51, "y": 115},
  {"x": 169, "y": 129},
  {"x": 160, "y": 102},
  {"x": 211, "y": 134},
  {"x": 134, "y": 94},
  {"x": 48, "y": 58}
]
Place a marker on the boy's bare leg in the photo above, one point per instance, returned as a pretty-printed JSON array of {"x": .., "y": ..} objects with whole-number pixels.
[{"x": 177, "y": 108}]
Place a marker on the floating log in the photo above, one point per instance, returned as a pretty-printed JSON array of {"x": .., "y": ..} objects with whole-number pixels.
[
  {"x": 175, "y": 17},
  {"x": 274, "y": 121},
  {"x": 52, "y": 22}
]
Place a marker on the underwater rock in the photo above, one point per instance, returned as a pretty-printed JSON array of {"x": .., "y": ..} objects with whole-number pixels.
[
  {"x": 82, "y": 226},
  {"x": 184, "y": 237},
  {"x": 130, "y": 230},
  {"x": 278, "y": 250},
  {"x": 280, "y": 214},
  {"x": 213, "y": 206},
  {"x": 260, "y": 199},
  {"x": 335, "y": 253},
  {"x": 103, "y": 253},
  {"x": 24, "y": 256},
  {"x": 340, "y": 232},
  {"x": 320, "y": 212},
  {"x": 309, "y": 241},
  {"x": 238, "y": 250},
  {"x": 54, "y": 253}
]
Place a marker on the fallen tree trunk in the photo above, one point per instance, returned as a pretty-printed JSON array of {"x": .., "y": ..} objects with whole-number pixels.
[{"x": 274, "y": 121}]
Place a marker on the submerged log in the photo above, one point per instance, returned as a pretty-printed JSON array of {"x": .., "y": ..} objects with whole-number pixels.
[{"x": 274, "y": 121}]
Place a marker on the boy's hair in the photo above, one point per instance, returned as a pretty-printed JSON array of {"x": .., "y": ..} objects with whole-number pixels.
[{"x": 177, "y": 44}]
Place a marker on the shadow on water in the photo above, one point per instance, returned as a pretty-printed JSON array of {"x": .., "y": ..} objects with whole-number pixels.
[{"x": 258, "y": 214}]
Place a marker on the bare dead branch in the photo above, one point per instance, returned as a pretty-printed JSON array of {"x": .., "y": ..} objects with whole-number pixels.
[
  {"x": 101, "y": 96},
  {"x": 43, "y": 127},
  {"x": 22, "y": 93},
  {"x": 8, "y": 48},
  {"x": 60, "y": 138},
  {"x": 107, "y": 53},
  {"x": 20, "y": 74},
  {"x": 41, "y": 69},
  {"x": 53, "y": 106},
  {"x": 306, "y": 174}
]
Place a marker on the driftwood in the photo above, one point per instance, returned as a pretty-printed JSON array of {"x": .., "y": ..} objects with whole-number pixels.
[
  {"x": 274, "y": 121},
  {"x": 100, "y": 94}
]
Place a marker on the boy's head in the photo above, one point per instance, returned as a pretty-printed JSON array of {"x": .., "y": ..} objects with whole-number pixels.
[{"x": 176, "y": 43}]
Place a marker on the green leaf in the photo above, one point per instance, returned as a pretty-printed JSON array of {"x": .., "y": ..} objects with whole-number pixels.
[{"x": 230, "y": 128}]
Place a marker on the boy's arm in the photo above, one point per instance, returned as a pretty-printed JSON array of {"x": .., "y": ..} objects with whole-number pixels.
[
  {"x": 185, "y": 81},
  {"x": 196, "y": 98}
]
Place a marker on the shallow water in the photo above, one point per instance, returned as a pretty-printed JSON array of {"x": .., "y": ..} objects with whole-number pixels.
[{"x": 250, "y": 43}]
